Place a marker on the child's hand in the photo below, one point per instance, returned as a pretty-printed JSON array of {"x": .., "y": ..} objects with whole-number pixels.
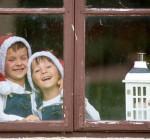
[
  {"x": 31, "y": 118},
  {"x": 85, "y": 103},
  {"x": 60, "y": 83}
]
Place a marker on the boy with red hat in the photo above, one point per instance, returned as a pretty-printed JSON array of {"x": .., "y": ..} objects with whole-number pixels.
[
  {"x": 16, "y": 98},
  {"x": 45, "y": 73}
]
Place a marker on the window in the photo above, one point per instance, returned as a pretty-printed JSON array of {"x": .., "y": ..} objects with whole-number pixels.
[
  {"x": 98, "y": 41},
  {"x": 106, "y": 46},
  {"x": 45, "y": 25}
]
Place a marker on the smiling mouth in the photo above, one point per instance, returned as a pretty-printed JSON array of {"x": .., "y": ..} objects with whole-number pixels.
[
  {"x": 46, "y": 78},
  {"x": 21, "y": 69}
]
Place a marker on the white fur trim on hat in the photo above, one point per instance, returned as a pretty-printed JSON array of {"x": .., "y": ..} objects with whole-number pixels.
[
  {"x": 4, "y": 47},
  {"x": 38, "y": 54}
]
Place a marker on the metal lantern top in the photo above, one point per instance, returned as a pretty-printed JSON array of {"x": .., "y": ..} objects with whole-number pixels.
[{"x": 139, "y": 73}]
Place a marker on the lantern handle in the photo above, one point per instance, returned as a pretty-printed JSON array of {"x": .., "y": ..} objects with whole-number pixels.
[{"x": 141, "y": 56}]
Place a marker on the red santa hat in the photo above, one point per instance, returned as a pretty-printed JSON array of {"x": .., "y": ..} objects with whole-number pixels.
[{"x": 5, "y": 43}]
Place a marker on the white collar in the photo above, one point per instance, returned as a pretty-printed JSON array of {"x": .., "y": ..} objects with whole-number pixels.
[
  {"x": 16, "y": 88},
  {"x": 55, "y": 100}
]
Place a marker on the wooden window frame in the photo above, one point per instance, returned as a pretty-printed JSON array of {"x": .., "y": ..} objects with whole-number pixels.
[
  {"x": 74, "y": 68},
  {"x": 67, "y": 123},
  {"x": 79, "y": 81}
]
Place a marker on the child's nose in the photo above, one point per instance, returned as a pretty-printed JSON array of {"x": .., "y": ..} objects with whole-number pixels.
[
  {"x": 18, "y": 62},
  {"x": 44, "y": 71}
]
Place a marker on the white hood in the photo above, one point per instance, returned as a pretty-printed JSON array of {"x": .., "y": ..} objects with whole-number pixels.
[{"x": 4, "y": 47}]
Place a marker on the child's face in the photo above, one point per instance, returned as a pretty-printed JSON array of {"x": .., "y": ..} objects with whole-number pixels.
[
  {"x": 16, "y": 64},
  {"x": 45, "y": 74}
]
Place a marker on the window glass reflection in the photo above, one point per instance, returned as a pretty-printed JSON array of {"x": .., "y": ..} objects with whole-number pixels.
[
  {"x": 118, "y": 4},
  {"x": 112, "y": 44},
  {"x": 26, "y": 93},
  {"x": 44, "y": 32},
  {"x": 31, "y": 3}
]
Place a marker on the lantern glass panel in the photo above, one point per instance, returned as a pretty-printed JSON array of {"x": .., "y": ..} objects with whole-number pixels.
[
  {"x": 139, "y": 91},
  {"x": 134, "y": 114},
  {"x": 139, "y": 114},
  {"x": 134, "y": 102},
  {"x": 139, "y": 103},
  {"x": 144, "y": 91},
  {"x": 134, "y": 91},
  {"x": 128, "y": 91},
  {"x": 145, "y": 114},
  {"x": 144, "y": 102}
]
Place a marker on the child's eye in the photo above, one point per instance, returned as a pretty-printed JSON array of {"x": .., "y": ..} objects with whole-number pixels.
[
  {"x": 37, "y": 71},
  {"x": 48, "y": 66},
  {"x": 24, "y": 58},
  {"x": 11, "y": 60}
]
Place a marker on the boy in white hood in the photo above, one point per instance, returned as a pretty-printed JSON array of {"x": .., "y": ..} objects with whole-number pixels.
[
  {"x": 45, "y": 73},
  {"x": 16, "y": 98}
]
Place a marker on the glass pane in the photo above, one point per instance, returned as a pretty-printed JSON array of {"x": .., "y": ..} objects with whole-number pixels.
[
  {"x": 144, "y": 91},
  {"x": 139, "y": 115},
  {"x": 139, "y": 91},
  {"x": 128, "y": 91},
  {"x": 134, "y": 91},
  {"x": 134, "y": 114},
  {"x": 145, "y": 114},
  {"x": 31, "y": 3},
  {"x": 43, "y": 33},
  {"x": 144, "y": 103},
  {"x": 134, "y": 103},
  {"x": 118, "y": 4},
  {"x": 139, "y": 103},
  {"x": 112, "y": 44}
]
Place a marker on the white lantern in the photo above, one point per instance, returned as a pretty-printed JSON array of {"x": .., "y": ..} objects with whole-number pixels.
[{"x": 137, "y": 92}]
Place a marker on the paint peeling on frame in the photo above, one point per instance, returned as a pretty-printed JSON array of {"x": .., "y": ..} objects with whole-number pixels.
[
  {"x": 114, "y": 122},
  {"x": 75, "y": 32},
  {"x": 110, "y": 9}
]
